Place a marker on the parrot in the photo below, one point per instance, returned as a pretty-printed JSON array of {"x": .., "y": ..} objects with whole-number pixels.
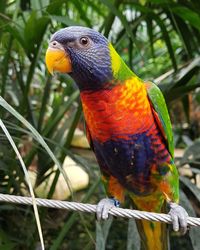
[{"x": 128, "y": 128}]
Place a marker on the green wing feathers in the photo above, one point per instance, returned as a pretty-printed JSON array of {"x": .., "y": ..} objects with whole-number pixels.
[{"x": 161, "y": 114}]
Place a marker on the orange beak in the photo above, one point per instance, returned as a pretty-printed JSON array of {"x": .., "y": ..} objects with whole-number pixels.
[{"x": 57, "y": 59}]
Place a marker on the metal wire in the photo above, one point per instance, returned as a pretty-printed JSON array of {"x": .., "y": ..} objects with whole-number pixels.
[{"x": 89, "y": 208}]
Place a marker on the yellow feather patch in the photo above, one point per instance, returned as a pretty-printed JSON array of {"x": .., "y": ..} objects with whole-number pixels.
[
  {"x": 115, "y": 60},
  {"x": 153, "y": 234}
]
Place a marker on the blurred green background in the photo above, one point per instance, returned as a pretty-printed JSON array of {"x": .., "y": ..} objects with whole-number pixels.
[{"x": 160, "y": 41}]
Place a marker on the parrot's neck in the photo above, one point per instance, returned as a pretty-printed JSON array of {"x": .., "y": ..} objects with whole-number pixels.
[
  {"x": 120, "y": 71},
  {"x": 105, "y": 75}
]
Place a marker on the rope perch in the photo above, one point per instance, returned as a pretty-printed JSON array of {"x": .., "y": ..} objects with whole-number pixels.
[{"x": 89, "y": 208}]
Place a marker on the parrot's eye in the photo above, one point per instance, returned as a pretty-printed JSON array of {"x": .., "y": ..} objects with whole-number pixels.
[{"x": 84, "y": 41}]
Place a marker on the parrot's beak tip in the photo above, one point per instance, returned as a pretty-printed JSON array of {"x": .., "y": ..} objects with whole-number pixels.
[{"x": 51, "y": 72}]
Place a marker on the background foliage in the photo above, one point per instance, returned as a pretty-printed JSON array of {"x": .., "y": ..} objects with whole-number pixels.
[{"x": 160, "y": 40}]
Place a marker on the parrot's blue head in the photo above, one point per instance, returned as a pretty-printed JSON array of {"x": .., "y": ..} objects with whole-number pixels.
[{"x": 83, "y": 53}]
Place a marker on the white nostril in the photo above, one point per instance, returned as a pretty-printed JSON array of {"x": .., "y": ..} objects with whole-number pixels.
[{"x": 55, "y": 45}]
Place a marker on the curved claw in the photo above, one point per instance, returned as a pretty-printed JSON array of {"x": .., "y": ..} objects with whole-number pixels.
[
  {"x": 179, "y": 218},
  {"x": 104, "y": 206}
]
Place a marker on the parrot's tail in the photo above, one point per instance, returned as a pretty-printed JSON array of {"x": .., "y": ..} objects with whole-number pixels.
[{"x": 153, "y": 235}]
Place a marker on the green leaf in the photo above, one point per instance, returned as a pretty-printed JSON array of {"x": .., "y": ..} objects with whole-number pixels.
[
  {"x": 28, "y": 180},
  {"x": 5, "y": 241},
  {"x": 44, "y": 103},
  {"x": 143, "y": 2},
  {"x": 180, "y": 78},
  {"x": 133, "y": 238},
  {"x": 187, "y": 14},
  {"x": 65, "y": 20},
  {"x": 17, "y": 33},
  {"x": 111, "y": 17},
  {"x": 82, "y": 12},
  {"x": 56, "y": 117},
  {"x": 102, "y": 231},
  {"x": 192, "y": 153},
  {"x": 184, "y": 32},
  {"x": 167, "y": 39},
  {"x": 149, "y": 22},
  {"x": 192, "y": 188},
  {"x": 37, "y": 137},
  {"x": 112, "y": 7},
  {"x": 181, "y": 92},
  {"x": 186, "y": 106},
  {"x": 34, "y": 31},
  {"x": 55, "y": 7}
]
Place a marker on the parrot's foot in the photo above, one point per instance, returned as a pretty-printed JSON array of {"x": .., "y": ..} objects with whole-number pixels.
[
  {"x": 179, "y": 218},
  {"x": 104, "y": 206}
]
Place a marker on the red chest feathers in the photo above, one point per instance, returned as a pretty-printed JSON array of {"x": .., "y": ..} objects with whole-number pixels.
[{"x": 119, "y": 112}]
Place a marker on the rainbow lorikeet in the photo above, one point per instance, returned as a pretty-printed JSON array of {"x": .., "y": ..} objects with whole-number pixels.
[{"x": 128, "y": 128}]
